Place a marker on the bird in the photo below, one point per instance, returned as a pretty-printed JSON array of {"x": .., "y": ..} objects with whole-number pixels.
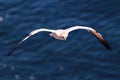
[{"x": 62, "y": 34}]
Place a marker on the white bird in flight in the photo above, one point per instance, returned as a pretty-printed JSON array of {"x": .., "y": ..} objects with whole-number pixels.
[{"x": 62, "y": 34}]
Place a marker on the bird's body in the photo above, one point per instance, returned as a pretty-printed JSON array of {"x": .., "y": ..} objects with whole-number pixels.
[
  {"x": 56, "y": 36},
  {"x": 59, "y": 34},
  {"x": 62, "y": 34}
]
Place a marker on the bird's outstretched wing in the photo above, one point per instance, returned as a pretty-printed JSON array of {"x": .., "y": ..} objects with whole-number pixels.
[
  {"x": 32, "y": 33},
  {"x": 101, "y": 39},
  {"x": 96, "y": 34}
]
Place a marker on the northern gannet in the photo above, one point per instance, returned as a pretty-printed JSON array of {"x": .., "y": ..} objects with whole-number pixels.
[{"x": 62, "y": 34}]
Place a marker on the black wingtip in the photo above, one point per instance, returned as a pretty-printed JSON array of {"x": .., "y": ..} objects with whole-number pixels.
[
  {"x": 10, "y": 53},
  {"x": 105, "y": 43},
  {"x": 18, "y": 45},
  {"x": 101, "y": 39},
  {"x": 108, "y": 47},
  {"x": 13, "y": 50}
]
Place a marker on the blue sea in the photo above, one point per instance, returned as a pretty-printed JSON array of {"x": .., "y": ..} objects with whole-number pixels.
[{"x": 41, "y": 57}]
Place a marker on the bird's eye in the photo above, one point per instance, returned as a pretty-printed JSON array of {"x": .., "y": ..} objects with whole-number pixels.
[{"x": 62, "y": 37}]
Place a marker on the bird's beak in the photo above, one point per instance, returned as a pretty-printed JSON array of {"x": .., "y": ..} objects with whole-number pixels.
[{"x": 65, "y": 39}]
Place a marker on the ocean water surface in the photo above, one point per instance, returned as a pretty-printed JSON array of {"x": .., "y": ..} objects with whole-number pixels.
[{"x": 41, "y": 57}]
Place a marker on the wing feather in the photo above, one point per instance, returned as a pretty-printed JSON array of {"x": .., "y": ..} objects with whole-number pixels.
[
  {"x": 32, "y": 33},
  {"x": 78, "y": 27},
  {"x": 91, "y": 30},
  {"x": 101, "y": 39}
]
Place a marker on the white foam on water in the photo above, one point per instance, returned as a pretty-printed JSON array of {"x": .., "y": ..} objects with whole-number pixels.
[
  {"x": 1, "y": 19},
  {"x": 17, "y": 76},
  {"x": 12, "y": 68},
  {"x": 32, "y": 77}
]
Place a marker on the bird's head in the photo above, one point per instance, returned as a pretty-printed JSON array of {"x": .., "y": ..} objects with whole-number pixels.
[{"x": 64, "y": 35}]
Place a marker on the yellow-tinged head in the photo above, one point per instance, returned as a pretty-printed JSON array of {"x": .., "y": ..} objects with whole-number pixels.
[{"x": 64, "y": 35}]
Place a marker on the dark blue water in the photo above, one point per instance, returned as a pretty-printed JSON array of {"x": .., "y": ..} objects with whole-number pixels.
[{"x": 41, "y": 57}]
